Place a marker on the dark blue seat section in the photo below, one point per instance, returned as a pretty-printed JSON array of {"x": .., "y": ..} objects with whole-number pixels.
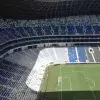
[
  {"x": 71, "y": 30},
  {"x": 2, "y": 98},
  {"x": 11, "y": 69},
  {"x": 5, "y": 32},
  {"x": 5, "y": 92},
  {"x": 38, "y": 31},
  {"x": 81, "y": 54},
  {"x": 72, "y": 54},
  {"x": 14, "y": 65},
  {"x": 96, "y": 29},
  {"x": 3, "y": 39},
  {"x": 4, "y": 35},
  {"x": 8, "y": 83},
  {"x": 10, "y": 75},
  {"x": 47, "y": 30},
  {"x": 55, "y": 29},
  {"x": 12, "y": 32},
  {"x": 64, "y": 30},
  {"x": 88, "y": 29},
  {"x": 21, "y": 31},
  {"x": 29, "y": 31},
  {"x": 80, "y": 29}
]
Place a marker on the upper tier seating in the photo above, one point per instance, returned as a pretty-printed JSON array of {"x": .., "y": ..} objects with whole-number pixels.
[{"x": 79, "y": 25}]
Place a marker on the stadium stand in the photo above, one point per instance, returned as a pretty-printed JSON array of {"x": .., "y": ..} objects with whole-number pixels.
[
  {"x": 72, "y": 54},
  {"x": 82, "y": 54},
  {"x": 22, "y": 69},
  {"x": 12, "y": 82},
  {"x": 83, "y": 25}
]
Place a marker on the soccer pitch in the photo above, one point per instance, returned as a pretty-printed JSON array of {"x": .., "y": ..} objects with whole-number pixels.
[{"x": 71, "y": 82}]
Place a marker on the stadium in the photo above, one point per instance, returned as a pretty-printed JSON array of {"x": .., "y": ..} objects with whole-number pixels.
[{"x": 50, "y": 50}]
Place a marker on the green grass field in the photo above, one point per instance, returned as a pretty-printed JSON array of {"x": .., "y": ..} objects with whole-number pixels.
[{"x": 71, "y": 82}]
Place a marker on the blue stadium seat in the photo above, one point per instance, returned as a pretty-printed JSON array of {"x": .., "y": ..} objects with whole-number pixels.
[
  {"x": 4, "y": 33},
  {"x": 29, "y": 31},
  {"x": 10, "y": 33},
  {"x": 11, "y": 69},
  {"x": 21, "y": 31},
  {"x": 13, "y": 33},
  {"x": 47, "y": 30},
  {"x": 80, "y": 30},
  {"x": 9, "y": 75},
  {"x": 3, "y": 39},
  {"x": 81, "y": 54},
  {"x": 71, "y": 30},
  {"x": 64, "y": 30},
  {"x": 3, "y": 98},
  {"x": 88, "y": 29},
  {"x": 4, "y": 62},
  {"x": 5, "y": 91},
  {"x": 16, "y": 70},
  {"x": 55, "y": 28},
  {"x": 38, "y": 31},
  {"x": 96, "y": 29},
  {"x": 8, "y": 83},
  {"x": 72, "y": 54},
  {"x": 59, "y": 30}
]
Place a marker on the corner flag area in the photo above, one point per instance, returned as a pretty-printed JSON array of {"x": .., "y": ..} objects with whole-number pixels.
[{"x": 71, "y": 82}]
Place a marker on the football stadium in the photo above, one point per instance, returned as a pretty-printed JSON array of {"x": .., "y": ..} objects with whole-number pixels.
[{"x": 50, "y": 50}]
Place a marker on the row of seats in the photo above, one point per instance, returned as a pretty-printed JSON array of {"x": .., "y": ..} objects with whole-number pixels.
[
  {"x": 12, "y": 80},
  {"x": 77, "y": 54},
  {"x": 72, "y": 54},
  {"x": 79, "y": 25},
  {"x": 20, "y": 32},
  {"x": 28, "y": 57}
]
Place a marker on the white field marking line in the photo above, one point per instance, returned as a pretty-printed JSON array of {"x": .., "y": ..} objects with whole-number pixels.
[
  {"x": 93, "y": 57},
  {"x": 79, "y": 71},
  {"x": 70, "y": 83},
  {"x": 77, "y": 54},
  {"x": 90, "y": 86},
  {"x": 65, "y": 77},
  {"x": 86, "y": 54},
  {"x": 92, "y": 81},
  {"x": 86, "y": 77},
  {"x": 61, "y": 82},
  {"x": 87, "y": 82}
]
